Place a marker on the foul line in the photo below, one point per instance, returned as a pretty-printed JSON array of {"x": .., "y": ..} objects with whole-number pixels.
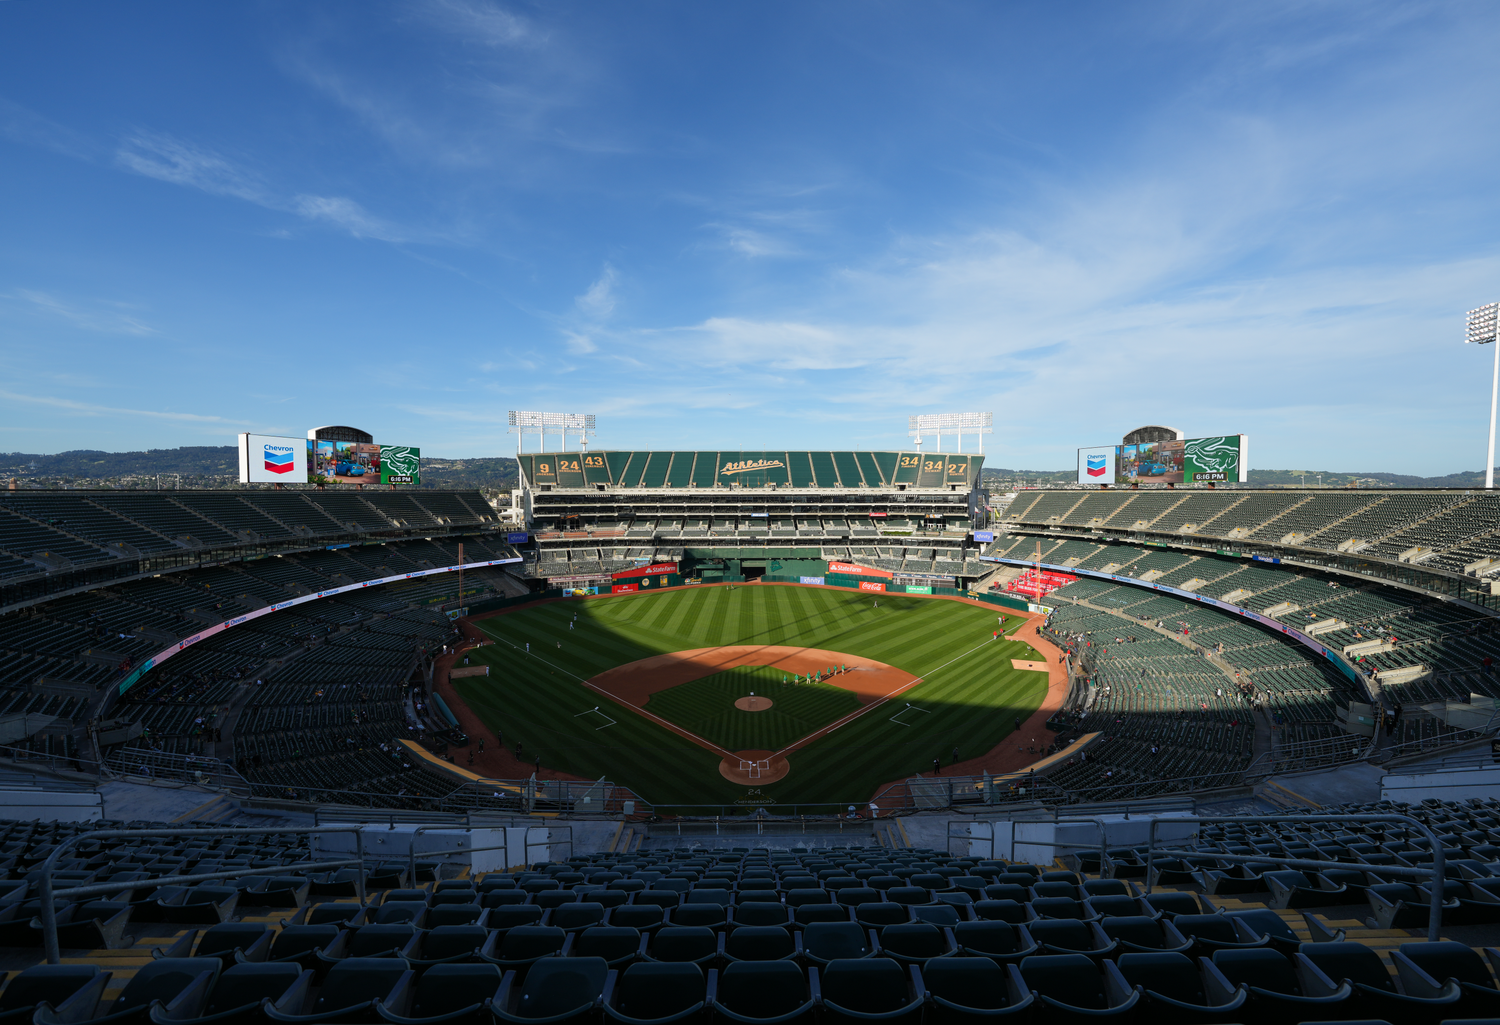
[
  {"x": 625, "y": 704},
  {"x": 846, "y": 720}
]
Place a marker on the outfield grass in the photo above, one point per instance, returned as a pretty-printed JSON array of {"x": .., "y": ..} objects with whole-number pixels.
[
  {"x": 706, "y": 707},
  {"x": 970, "y": 692}
]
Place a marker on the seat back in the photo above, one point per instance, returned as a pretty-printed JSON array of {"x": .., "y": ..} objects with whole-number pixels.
[
  {"x": 1353, "y": 961},
  {"x": 561, "y": 984},
  {"x": 1174, "y": 976},
  {"x": 53, "y": 983},
  {"x": 854, "y": 895},
  {"x": 370, "y": 940},
  {"x": 515, "y": 915},
  {"x": 1063, "y": 933},
  {"x": 1219, "y": 928},
  {"x": 760, "y": 943},
  {"x": 526, "y": 942},
  {"x": 882, "y": 914},
  {"x": 298, "y": 939},
  {"x": 636, "y": 917},
  {"x": 827, "y": 941},
  {"x": 230, "y": 936},
  {"x": 162, "y": 980},
  {"x": 913, "y": 940},
  {"x": 452, "y": 941},
  {"x": 762, "y": 989},
  {"x": 987, "y": 937},
  {"x": 1175, "y": 903},
  {"x": 1142, "y": 931},
  {"x": 1447, "y": 959},
  {"x": 1261, "y": 967},
  {"x": 242, "y": 985},
  {"x": 760, "y": 913},
  {"x": 358, "y": 980},
  {"x": 683, "y": 943},
  {"x": 975, "y": 982},
  {"x": 610, "y": 942},
  {"x": 650, "y": 991},
  {"x": 578, "y": 916},
  {"x": 1070, "y": 979},
  {"x": 874, "y": 985}
]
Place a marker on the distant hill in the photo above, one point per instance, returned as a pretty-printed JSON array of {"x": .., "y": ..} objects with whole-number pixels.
[
  {"x": 217, "y": 466},
  {"x": 1272, "y": 478}
]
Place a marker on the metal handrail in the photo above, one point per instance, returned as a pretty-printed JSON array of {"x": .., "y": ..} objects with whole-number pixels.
[
  {"x": 1437, "y": 870},
  {"x": 526, "y": 845},
  {"x": 45, "y": 895}
]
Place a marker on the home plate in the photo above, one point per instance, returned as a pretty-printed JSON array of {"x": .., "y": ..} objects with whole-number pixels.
[{"x": 1021, "y": 663}]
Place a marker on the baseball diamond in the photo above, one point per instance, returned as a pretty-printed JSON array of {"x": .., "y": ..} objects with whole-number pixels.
[{"x": 676, "y": 661}]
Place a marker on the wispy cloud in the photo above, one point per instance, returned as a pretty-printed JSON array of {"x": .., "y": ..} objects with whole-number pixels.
[
  {"x": 167, "y": 159},
  {"x": 107, "y": 318},
  {"x": 26, "y": 126},
  {"x": 92, "y": 409},
  {"x": 486, "y": 23},
  {"x": 170, "y": 160},
  {"x": 599, "y": 301}
]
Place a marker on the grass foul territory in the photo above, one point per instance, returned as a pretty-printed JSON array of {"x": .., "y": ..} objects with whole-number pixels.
[{"x": 969, "y": 691}]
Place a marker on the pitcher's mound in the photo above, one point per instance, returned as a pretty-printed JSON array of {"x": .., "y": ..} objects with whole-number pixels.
[
  {"x": 753, "y": 703},
  {"x": 753, "y": 768}
]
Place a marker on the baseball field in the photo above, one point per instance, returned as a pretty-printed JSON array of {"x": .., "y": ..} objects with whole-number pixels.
[{"x": 653, "y": 691}]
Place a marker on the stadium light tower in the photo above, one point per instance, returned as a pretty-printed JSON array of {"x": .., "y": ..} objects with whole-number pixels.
[
  {"x": 524, "y": 423},
  {"x": 960, "y": 423},
  {"x": 1482, "y": 325}
]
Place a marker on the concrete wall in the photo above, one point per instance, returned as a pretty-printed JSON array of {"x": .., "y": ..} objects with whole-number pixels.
[
  {"x": 52, "y": 805},
  {"x": 1039, "y": 842},
  {"x": 1444, "y": 784},
  {"x": 515, "y": 846}
]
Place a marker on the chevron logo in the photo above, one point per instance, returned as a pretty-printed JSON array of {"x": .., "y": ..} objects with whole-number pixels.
[
  {"x": 279, "y": 459},
  {"x": 1096, "y": 466}
]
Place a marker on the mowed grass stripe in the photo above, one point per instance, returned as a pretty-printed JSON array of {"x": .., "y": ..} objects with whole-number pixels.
[
  {"x": 706, "y": 707},
  {"x": 972, "y": 703}
]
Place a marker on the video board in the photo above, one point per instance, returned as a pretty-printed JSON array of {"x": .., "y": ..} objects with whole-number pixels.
[
  {"x": 1223, "y": 460},
  {"x": 354, "y": 462}
]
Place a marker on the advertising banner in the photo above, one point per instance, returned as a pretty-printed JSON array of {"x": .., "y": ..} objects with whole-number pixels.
[
  {"x": 917, "y": 589},
  {"x": 624, "y": 588},
  {"x": 813, "y": 580},
  {"x": 1041, "y": 584},
  {"x": 269, "y": 460},
  {"x": 851, "y": 570},
  {"x": 1096, "y": 465},
  {"x": 213, "y": 631},
  {"x": 400, "y": 464},
  {"x": 646, "y": 571},
  {"x": 516, "y": 539},
  {"x": 871, "y": 585},
  {"x": 984, "y": 535}
]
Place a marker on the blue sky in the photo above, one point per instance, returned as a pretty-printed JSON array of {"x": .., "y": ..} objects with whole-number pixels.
[{"x": 747, "y": 225}]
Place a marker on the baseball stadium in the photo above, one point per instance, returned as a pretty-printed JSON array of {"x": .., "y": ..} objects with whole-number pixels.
[{"x": 847, "y": 726}]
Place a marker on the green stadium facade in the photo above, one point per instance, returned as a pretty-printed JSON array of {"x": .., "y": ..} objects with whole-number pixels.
[{"x": 729, "y": 514}]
